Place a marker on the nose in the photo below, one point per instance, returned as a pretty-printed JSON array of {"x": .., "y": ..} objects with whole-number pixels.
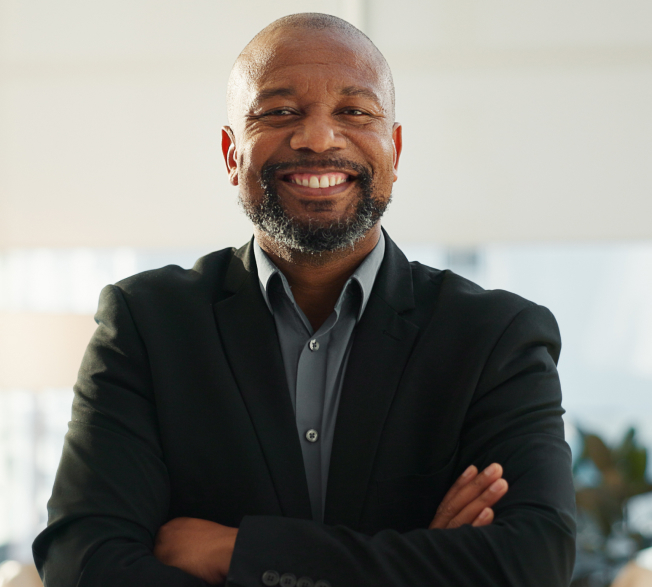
[{"x": 317, "y": 133}]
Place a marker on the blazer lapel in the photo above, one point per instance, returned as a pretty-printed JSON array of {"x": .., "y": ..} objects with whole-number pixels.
[
  {"x": 249, "y": 337},
  {"x": 381, "y": 348}
]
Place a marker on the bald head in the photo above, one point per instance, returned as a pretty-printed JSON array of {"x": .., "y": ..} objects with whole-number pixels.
[{"x": 302, "y": 31}]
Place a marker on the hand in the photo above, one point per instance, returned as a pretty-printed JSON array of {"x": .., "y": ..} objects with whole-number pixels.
[
  {"x": 470, "y": 499},
  {"x": 199, "y": 547}
]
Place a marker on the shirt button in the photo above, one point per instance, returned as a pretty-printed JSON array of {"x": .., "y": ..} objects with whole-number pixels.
[
  {"x": 305, "y": 582},
  {"x": 270, "y": 578},
  {"x": 313, "y": 345},
  {"x": 312, "y": 435},
  {"x": 288, "y": 580}
]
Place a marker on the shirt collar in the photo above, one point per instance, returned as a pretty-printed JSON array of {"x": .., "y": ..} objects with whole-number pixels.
[{"x": 365, "y": 274}]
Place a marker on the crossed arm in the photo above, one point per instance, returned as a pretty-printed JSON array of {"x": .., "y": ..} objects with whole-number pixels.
[
  {"x": 204, "y": 549},
  {"x": 112, "y": 494}
]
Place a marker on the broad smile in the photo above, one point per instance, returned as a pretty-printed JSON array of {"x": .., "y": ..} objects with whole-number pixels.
[{"x": 318, "y": 183}]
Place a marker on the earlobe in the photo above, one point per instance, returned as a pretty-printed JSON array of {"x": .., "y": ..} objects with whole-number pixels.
[{"x": 230, "y": 154}]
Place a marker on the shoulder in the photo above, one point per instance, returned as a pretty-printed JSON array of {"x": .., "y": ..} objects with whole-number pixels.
[
  {"x": 456, "y": 304},
  {"x": 458, "y": 294},
  {"x": 165, "y": 294},
  {"x": 204, "y": 280},
  {"x": 420, "y": 293},
  {"x": 167, "y": 304}
]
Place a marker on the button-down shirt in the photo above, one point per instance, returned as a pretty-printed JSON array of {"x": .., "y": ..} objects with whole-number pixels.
[{"x": 315, "y": 362}]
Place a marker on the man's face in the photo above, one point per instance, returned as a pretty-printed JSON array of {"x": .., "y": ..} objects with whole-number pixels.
[{"x": 313, "y": 146}]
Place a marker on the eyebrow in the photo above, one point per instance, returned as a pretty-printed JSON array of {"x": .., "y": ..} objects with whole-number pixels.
[
  {"x": 289, "y": 92},
  {"x": 272, "y": 93},
  {"x": 357, "y": 91}
]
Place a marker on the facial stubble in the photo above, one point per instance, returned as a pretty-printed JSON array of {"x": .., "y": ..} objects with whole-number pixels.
[{"x": 312, "y": 236}]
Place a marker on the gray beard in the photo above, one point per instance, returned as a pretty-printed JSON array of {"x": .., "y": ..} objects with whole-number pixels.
[{"x": 312, "y": 237}]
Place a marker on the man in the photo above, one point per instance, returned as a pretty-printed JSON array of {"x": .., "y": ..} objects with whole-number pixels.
[{"x": 297, "y": 412}]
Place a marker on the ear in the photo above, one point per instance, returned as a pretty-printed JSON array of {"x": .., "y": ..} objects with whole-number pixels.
[
  {"x": 397, "y": 139},
  {"x": 230, "y": 154}
]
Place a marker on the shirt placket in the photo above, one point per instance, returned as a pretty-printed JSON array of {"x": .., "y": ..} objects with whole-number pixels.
[
  {"x": 311, "y": 377},
  {"x": 310, "y": 397}
]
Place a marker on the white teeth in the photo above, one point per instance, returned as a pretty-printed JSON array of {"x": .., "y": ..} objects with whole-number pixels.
[{"x": 322, "y": 181}]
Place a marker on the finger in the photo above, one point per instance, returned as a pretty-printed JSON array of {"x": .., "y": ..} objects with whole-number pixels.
[
  {"x": 487, "y": 500},
  {"x": 457, "y": 499},
  {"x": 466, "y": 477},
  {"x": 463, "y": 493},
  {"x": 485, "y": 517}
]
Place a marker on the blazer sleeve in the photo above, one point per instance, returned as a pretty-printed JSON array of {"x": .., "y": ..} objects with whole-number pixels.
[
  {"x": 111, "y": 492},
  {"x": 514, "y": 418}
]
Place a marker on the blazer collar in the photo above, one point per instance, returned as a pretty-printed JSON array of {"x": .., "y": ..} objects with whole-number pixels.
[
  {"x": 393, "y": 282},
  {"x": 242, "y": 266},
  {"x": 248, "y": 334},
  {"x": 383, "y": 343},
  {"x": 382, "y": 346}
]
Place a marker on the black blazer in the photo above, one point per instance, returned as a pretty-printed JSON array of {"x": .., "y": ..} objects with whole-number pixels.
[{"x": 182, "y": 409}]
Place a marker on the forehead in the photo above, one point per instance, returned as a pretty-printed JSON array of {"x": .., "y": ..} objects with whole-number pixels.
[{"x": 302, "y": 59}]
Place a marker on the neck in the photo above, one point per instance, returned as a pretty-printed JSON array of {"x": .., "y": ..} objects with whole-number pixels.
[{"x": 317, "y": 279}]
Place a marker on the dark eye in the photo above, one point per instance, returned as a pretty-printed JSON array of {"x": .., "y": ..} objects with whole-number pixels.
[
  {"x": 354, "y": 112},
  {"x": 280, "y": 112}
]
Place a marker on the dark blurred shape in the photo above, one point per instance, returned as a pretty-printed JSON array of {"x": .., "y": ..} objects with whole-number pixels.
[{"x": 605, "y": 479}]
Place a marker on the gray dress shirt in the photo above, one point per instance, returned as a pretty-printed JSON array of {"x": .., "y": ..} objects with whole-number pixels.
[{"x": 315, "y": 362}]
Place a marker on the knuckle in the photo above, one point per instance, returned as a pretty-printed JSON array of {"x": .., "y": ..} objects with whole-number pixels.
[
  {"x": 445, "y": 510},
  {"x": 481, "y": 481},
  {"x": 487, "y": 498}
]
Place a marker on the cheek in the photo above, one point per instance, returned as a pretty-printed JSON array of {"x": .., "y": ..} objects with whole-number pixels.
[
  {"x": 384, "y": 176},
  {"x": 256, "y": 153},
  {"x": 376, "y": 148},
  {"x": 259, "y": 147},
  {"x": 384, "y": 164},
  {"x": 248, "y": 170}
]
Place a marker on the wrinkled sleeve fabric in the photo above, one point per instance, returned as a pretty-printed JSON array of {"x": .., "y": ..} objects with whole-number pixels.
[
  {"x": 111, "y": 492},
  {"x": 514, "y": 418}
]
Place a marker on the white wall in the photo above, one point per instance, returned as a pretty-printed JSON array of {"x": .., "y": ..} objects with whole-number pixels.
[{"x": 524, "y": 120}]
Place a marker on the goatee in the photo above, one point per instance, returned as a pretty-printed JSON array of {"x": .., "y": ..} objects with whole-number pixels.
[{"x": 311, "y": 236}]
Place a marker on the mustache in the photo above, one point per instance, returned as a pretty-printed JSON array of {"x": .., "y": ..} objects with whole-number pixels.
[{"x": 364, "y": 175}]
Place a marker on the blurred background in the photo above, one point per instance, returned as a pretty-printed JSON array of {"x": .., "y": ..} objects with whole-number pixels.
[{"x": 527, "y": 166}]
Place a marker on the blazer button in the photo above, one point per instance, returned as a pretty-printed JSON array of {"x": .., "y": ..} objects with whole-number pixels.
[
  {"x": 305, "y": 582},
  {"x": 288, "y": 580},
  {"x": 270, "y": 578},
  {"x": 322, "y": 583}
]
